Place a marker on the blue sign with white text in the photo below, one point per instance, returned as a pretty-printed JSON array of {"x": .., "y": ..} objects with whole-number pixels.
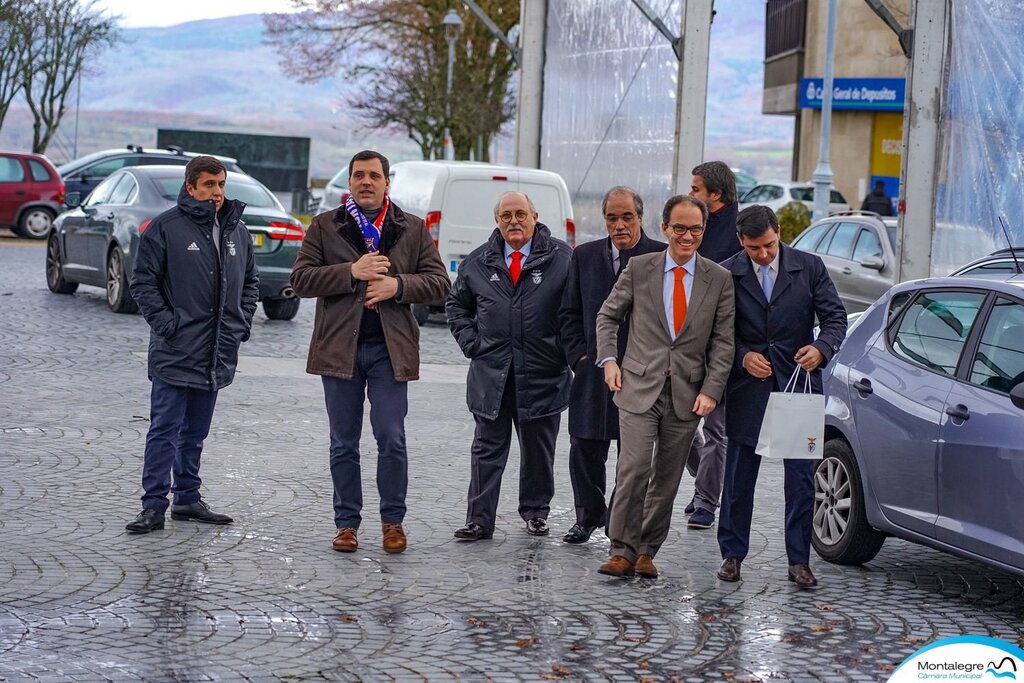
[{"x": 858, "y": 94}]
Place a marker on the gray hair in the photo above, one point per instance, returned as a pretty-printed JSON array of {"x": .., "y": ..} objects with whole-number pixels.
[
  {"x": 638, "y": 203},
  {"x": 533, "y": 209}
]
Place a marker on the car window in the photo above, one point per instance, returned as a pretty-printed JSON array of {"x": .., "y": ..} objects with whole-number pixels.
[
  {"x": 809, "y": 240},
  {"x": 999, "y": 361},
  {"x": 896, "y": 305},
  {"x": 772, "y": 192},
  {"x": 11, "y": 170},
  {"x": 102, "y": 192},
  {"x": 105, "y": 168},
  {"x": 341, "y": 179},
  {"x": 164, "y": 160},
  {"x": 802, "y": 194},
  {"x": 124, "y": 191},
  {"x": 40, "y": 173},
  {"x": 254, "y": 196},
  {"x": 841, "y": 243},
  {"x": 836, "y": 198},
  {"x": 890, "y": 230},
  {"x": 991, "y": 268},
  {"x": 934, "y": 329},
  {"x": 868, "y": 244}
]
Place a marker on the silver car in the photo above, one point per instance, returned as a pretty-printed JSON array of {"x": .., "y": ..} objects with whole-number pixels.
[
  {"x": 336, "y": 188},
  {"x": 858, "y": 248}
]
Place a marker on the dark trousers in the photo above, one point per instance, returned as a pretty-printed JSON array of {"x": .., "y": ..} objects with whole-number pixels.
[
  {"x": 372, "y": 377},
  {"x": 741, "y": 467},
  {"x": 179, "y": 422},
  {"x": 587, "y": 471},
  {"x": 707, "y": 462},
  {"x": 491, "y": 443}
]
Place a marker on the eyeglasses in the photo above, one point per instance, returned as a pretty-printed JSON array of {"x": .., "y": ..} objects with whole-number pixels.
[
  {"x": 694, "y": 230},
  {"x": 507, "y": 217}
]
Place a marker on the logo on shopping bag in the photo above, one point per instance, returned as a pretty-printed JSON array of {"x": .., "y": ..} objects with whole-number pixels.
[{"x": 811, "y": 445}]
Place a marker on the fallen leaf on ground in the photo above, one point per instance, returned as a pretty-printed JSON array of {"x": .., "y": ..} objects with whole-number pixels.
[
  {"x": 825, "y": 608},
  {"x": 820, "y": 628},
  {"x": 525, "y": 642},
  {"x": 473, "y": 621}
]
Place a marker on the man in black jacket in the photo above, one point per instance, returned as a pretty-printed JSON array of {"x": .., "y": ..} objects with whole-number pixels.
[
  {"x": 878, "y": 201},
  {"x": 196, "y": 284},
  {"x": 593, "y": 417},
  {"x": 503, "y": 312},
  {"x": 715, "y": 184}
]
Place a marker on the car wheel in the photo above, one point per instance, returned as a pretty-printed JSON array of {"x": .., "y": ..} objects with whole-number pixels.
[
  {"x": 119, "y": 299},
  {"x": 281, "y": 309},
  {"x": 35, "y": 223},
  {"x": 421, "y": 312},
  {"x": 54, "y": 272},
  {"x": 840, "y": 532}
]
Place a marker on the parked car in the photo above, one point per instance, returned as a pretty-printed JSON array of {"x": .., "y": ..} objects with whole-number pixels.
[
  {"x": 84, "y": 174},
  {"x": 744, "y": 182},
  {"x": 777, "y": 194},
  {"x": 859, "y": 250},
  {"x": 95, "y": 242},
  {"x": 31, "y": 194},
  {"x": 998, "y": 263},
  {"x": 456, "y": 200},
  {"x": 923, "y": 425},
  {"x": 334, "y": 191}
]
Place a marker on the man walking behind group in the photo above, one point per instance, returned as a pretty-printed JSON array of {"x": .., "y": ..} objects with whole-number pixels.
[
  {"x": 779, "y": 293},
  {"x": 714, "y": 183},
  {"x": 680, "y": 310},
  {"x": 366, "y": 262},
  {"x": 196, "y": 284},
  {"x": 503, "y": 312},
  {"x": 593, "y": 417}
]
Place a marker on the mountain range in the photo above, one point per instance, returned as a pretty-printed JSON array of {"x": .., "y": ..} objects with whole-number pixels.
[{"x": 219, "y": 74}]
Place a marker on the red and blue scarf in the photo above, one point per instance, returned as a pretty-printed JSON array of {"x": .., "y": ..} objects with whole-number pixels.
[{"x": 371, "y": 231}]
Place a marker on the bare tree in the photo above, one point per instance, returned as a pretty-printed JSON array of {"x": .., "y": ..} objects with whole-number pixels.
[
  {"x": 395, "y": 50},
  {"x": 66, "y": 34},
  {"x": 14, "y": 43}
]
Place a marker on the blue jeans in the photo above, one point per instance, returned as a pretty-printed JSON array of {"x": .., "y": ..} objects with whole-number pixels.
[
  {"x": 389, "y": 404},
  {"x": 179, "y": 423}
]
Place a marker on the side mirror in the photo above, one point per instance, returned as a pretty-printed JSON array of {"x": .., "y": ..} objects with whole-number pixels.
[
  {"x": 73, "y": 200},
  {"x": 1017, "y": 395},
  {"x": 873, "y": 262}
]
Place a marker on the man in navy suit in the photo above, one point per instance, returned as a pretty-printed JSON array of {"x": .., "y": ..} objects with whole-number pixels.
[
  {"x": 593, "y": 417},
  {"x": 779, "y": 292}
]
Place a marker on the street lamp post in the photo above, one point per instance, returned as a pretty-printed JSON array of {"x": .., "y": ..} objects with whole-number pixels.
[{"x": 452, "y": 29}]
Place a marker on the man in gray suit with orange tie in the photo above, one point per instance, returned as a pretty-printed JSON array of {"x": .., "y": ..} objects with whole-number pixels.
[{"x": 680, "y": 308}]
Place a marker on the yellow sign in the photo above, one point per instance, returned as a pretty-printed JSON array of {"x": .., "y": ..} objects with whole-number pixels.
[{"x": 887, "y": 144}]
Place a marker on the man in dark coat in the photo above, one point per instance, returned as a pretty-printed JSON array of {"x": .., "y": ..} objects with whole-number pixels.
[
  {"x": 196, "y": 284},
  {"x": 503, "y": 312},
  {"x": 593, "y": 417},
  {"x": 367, "y": 262},
  {"x": 779, "y": 293},
  {"x": 878, "y": 200},
  {"x": 715, "y": 184}
]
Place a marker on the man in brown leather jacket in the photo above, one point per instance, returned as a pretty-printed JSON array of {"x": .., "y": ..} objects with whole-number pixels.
[{"x": 366, "y": 262}]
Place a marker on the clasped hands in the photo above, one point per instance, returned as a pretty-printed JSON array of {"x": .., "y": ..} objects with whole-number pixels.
[
  {"x": 807, "y": 357},
  {"x": 373, "y": 269},
  {"x": 702, "y": 406}
]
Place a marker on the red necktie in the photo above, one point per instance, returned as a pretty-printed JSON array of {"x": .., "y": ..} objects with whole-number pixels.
[
  {"x": 679, "y": 299},
  {"x": 517, "y": 266}
]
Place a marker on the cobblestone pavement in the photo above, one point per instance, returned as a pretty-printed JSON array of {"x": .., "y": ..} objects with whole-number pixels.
[{"x": 267, "y": 599}]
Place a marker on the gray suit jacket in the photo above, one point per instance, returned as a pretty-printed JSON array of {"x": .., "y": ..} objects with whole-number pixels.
[{"x": 696, "y": 361}]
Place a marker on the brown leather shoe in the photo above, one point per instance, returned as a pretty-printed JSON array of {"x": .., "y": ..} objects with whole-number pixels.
[
  {"x": 801, "y": 575},
  {"x": 617, "y": 565},
  {"x": 394, "y": 538},
  {"x": 730, "y": 569},
  {"x": 345, "y": 540},
  {"x": 645, "y": 567}
]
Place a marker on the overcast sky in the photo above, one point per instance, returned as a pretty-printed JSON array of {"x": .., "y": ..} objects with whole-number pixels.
[{"x": 135, "y": 14}]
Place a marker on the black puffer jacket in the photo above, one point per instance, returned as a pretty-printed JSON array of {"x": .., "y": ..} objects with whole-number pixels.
[
  {"x": 500, "y": 326},
  {"x": 199, "y": 305}
]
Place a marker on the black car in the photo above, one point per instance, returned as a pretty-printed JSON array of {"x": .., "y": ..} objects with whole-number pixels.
[
  {"x": 94, "y": 243},
  {"x": 84, "y": 174}
]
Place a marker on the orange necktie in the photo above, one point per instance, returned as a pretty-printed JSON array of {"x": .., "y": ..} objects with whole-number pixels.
[
  {"x": 517, "y": 266},
  {"x": 679, "y": 299}
]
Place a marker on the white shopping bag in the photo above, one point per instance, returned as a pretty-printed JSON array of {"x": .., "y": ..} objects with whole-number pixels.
[{"x": 794, "y": 423}]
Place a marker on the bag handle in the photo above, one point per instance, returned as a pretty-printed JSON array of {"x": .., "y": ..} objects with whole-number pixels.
[{"x": 792, "y": 385}]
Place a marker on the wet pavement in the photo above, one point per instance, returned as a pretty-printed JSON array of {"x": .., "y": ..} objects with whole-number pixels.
[{"x": 267, "y": 599}]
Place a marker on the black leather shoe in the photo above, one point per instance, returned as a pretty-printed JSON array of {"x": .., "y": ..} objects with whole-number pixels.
[
  {"x": 538, "y": 526},
  {"x": 473, "y": 532},
  {"x": 198, "y": 511},
  {"x": 730, "y": 569},
  {"x": 146, "y": 521},
  {"x": 578, "y": 533},
  {"x": 801, "y": 575}
]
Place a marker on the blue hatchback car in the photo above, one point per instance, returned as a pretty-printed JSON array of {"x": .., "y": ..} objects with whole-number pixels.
[{"x": 924, "y": 425}]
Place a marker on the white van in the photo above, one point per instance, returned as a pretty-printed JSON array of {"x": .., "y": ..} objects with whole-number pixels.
[{"x": 456, "y": 200}]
